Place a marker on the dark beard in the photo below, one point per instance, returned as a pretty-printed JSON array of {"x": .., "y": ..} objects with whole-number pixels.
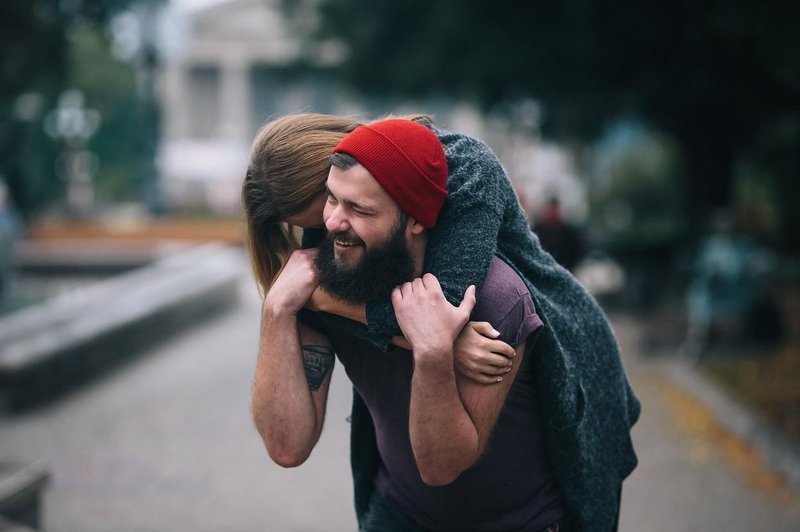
[{"x": 374, "y": 277}]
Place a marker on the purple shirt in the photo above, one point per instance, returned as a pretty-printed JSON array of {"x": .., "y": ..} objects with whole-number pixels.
[{"x": 510, "y": 487}]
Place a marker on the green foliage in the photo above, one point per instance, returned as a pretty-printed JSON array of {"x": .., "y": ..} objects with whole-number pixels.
[
  {"x": 776, "y": 154},
  {"x": 586, "y": 60},
  {"x": 715, "y": 76},
  {"x": 635, "y": 198},
  {"x": 34, "y": 69},
  {"x": 109, "y": 86}
]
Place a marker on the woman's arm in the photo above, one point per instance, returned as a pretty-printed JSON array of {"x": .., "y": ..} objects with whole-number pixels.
[
  {"x": 477, "y": 353},
  {"x": 322, "y": 301}
]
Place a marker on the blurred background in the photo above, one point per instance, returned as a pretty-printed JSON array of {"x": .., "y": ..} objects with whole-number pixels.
[{"x": 654, "y": 146}]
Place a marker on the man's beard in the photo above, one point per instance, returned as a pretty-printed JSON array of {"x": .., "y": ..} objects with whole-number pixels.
[{"x": 380, "y": 269}]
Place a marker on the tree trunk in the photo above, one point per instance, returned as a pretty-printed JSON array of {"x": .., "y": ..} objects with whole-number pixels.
[{"x": 708, "y": 178}]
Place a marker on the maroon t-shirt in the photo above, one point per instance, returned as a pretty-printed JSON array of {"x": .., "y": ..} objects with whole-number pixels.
[{"x": 510, "y": 487}]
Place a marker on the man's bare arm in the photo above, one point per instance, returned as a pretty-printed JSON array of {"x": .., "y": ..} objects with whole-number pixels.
[
  {"x": 479, "y": 355},
  {"x": 293, "y": 370},
  {"x": 451, "y": 417}
]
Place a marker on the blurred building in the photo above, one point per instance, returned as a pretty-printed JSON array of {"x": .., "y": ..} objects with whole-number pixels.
[{"x": 234, "y": 71}]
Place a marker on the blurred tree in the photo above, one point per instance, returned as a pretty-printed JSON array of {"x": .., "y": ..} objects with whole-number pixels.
[
  {"x": 634, "y": 196},
  {"x": 110, "y": 87},
  {"x": 715, "y": 75},
  {"x": 34, "y": 65},
  {"x": 776, "y": 154},
  {"x": 636, "y": 205}
]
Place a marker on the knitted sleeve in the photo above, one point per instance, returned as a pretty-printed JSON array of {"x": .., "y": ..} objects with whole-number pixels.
[{"x": 465, "y": 237}]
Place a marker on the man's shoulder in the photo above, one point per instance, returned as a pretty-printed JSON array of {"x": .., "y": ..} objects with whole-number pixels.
[
  {"x": 505, "y": 302},
  {"x": 502, "y": 282}
]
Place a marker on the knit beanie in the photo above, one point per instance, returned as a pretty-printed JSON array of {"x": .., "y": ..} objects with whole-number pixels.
[{"x": 408, "y": 161}]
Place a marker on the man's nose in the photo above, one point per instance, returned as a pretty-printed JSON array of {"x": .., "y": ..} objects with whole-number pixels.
[{"x": 337, "y": 221}]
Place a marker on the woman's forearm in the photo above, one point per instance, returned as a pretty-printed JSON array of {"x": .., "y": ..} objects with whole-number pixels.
[{"x": 324, "y": 302}]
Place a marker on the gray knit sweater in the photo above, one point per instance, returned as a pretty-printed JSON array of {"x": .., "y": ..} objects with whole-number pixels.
[{"x": 587, "y": 404}]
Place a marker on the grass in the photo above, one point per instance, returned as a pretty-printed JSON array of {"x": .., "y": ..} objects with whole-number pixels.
[
  {"x": 768, "y": 382},
  {"x": 765, "y": 378}
]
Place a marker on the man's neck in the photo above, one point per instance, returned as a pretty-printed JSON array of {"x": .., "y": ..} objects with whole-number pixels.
[{"x": 417, "y": 248}]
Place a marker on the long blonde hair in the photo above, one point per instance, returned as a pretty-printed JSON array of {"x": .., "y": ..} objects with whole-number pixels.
[{"x": 287, "y": 171}]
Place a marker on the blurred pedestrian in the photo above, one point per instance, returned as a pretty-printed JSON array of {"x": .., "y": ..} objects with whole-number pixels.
[
  {"x": 9, "y": 232},
  {"x": 730, "y": 289},
  {"x": 562, "y": 240}
]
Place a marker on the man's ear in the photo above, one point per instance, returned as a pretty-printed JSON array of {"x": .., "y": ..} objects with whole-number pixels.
[{"x": 414, "y": 227}]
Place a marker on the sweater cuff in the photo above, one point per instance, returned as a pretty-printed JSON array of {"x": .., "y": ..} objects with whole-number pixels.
[{"x": 381, "y": 320}]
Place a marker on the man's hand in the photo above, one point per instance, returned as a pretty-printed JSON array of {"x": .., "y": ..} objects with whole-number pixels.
[
  {"x": 428, "y": 321},
  {"x": 295, "y": 284}
]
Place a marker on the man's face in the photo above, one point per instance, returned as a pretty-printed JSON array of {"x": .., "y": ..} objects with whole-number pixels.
[
  {"x": 358, "y": 212},
  {"x": 366, "y": 253}
]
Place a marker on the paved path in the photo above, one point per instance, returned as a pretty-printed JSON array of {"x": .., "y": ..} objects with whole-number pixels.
[
  {"x": 692, "y": 475},
  {"x": 166, "y": 443}
]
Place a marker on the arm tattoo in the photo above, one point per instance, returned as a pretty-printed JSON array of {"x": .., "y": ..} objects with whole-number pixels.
[{"x": 318, "y": 362}]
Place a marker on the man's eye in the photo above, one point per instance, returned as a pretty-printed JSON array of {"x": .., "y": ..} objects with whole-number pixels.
[{"x": 331, "y": 199}]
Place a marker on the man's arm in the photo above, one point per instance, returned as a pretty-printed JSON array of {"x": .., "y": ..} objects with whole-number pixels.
[
  {"x": 450, "y": 418},
  {"x": 479, "y": 355},
  {"x": 293, "y": 371}
]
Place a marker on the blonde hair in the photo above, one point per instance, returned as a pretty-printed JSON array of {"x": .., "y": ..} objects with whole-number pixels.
[{"x": 287, "y": 171}]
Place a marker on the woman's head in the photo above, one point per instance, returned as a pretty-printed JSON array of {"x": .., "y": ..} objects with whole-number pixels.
[
  {"x": 285, "y": 179},
  {"x": 287, "y": 172}
]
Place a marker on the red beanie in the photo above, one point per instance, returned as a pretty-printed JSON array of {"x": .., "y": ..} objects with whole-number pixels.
[{"x": 407, "y": 160}]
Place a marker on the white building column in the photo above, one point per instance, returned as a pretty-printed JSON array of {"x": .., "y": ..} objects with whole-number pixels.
[
  {"x": 235, "y": 105},
  {"x": 174, "y": 102}
]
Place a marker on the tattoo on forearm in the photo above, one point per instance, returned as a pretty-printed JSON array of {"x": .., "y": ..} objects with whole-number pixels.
[{"x": 318, "y": 362}]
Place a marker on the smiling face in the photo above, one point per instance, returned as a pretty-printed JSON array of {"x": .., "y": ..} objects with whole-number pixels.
[
  {"x": 358, "y": 214},
  {"x": 372, "y": 246}
]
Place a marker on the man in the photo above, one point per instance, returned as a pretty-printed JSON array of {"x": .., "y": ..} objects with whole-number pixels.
[{"x": 453, "y": 454}]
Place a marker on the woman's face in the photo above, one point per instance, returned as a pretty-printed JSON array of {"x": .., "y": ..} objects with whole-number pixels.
[{"x": 311, "y": 216}]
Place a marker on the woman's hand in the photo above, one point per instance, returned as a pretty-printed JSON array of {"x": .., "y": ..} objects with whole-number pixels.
[{"x": 479, "y": 355}]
